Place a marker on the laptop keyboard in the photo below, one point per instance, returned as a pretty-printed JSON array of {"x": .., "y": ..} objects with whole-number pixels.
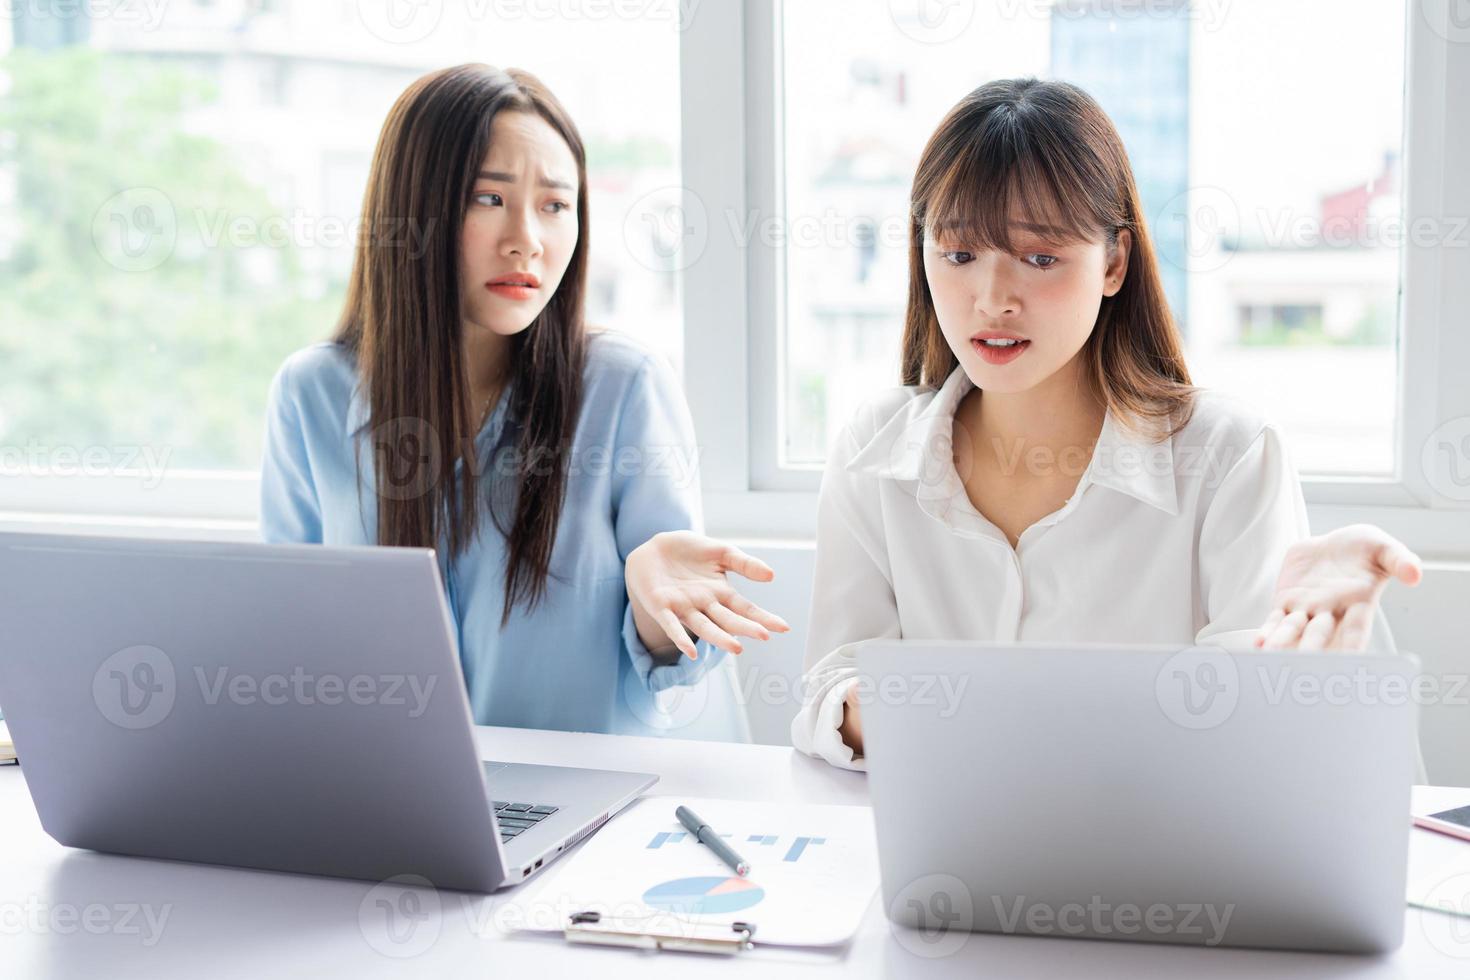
[{"x": 516, "y": 818}]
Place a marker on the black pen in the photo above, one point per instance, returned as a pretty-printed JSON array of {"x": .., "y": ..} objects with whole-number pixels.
[{"x": 706, "y": 835}]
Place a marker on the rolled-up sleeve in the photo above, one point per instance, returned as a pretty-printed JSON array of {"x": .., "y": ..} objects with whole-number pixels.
[
  {"x": 852, "y": 601},
  {"x": 289, "y": 508},
  {"x": 655, "y": 482}
]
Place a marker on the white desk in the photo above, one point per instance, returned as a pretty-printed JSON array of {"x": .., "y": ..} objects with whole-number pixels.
[{"x": 230, "y": 923}]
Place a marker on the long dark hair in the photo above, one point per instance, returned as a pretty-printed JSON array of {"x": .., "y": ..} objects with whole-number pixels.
[
  {"x": 1047, "y": 150},
  {"x": 402, "y": 319}
]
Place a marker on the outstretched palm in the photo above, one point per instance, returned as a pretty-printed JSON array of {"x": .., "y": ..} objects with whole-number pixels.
[
  {"x": 1329, "y": 588},
  {"x": 678, "y": 578}
]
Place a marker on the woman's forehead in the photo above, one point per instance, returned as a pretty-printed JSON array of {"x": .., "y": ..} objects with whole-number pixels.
[{"x": 522, "y": 142}]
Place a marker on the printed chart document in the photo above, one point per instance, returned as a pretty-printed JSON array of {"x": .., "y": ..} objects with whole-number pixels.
[{"x": 813, "y": 871}]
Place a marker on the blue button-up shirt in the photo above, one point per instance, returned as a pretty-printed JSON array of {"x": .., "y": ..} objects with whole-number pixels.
[{"x": 575, "y": 662}]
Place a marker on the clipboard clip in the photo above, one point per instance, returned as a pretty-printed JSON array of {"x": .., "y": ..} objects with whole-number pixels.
[{"x": 659, "y": 932}]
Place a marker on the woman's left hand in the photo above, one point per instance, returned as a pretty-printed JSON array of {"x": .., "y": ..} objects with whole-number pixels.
[
  {"x": 677, "y": 579},
  {"x": 1329, "y": 588}
]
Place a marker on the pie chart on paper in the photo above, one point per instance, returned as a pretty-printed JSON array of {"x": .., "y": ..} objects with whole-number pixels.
[{"x": 704, "y": 896}]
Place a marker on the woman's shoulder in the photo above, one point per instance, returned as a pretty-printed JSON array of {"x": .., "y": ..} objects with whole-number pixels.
[
  {"x": 327, "y": 364},
  {"x": 616, "y": 354},
  {"x": 887, "y": 405},
  {"x": 619, "y": 365},
  {"x": 1219, "y": 418},
  {"x": 315, "y": 385}
]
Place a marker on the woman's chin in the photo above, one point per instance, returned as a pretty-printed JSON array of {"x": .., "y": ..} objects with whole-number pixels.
[
  {"x": 1002, "y": 380},
  {"x": 500, "y": 324}
]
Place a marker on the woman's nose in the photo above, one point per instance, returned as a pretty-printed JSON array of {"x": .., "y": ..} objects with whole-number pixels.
[
  {"x": 994, "y": 292},
  {"x": 521, "y": 238}
]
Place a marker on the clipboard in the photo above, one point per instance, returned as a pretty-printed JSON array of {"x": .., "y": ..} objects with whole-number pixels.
[
  {"x": 643, "y": 882},
  {"x": 648, "y": 933}
]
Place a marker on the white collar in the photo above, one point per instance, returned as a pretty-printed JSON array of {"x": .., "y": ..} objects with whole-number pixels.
[{"x": 915, "y": 445}]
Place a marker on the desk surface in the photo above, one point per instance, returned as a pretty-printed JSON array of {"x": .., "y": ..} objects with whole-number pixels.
[{"x": 231, "y": 923}]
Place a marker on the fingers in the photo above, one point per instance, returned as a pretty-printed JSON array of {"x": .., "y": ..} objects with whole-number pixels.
[
  {"x": 1353, "y": 633},
  {"x": 750, "y": 610},
  {"x": 1269, "y": 626},
  {"x": 1318, "y": 632},
  {"x": 1400, "y": 563},
  {"x": 1287, "y": 631},
  {"x": 675, "y": 631},
  {"x": 1388, "y": 554},
  {"x": 707, "y": 630},
  {"x": 732, "y": 623},
  {"x": 740, "y": 563}
]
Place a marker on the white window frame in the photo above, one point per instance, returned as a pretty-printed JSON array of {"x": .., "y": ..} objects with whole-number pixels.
[{"x": 734, "y": 311}]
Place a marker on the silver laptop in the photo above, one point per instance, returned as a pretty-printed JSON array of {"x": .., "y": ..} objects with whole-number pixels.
[
  {"x": 288, "y": 707},
  {"x": 1166, "y": 794}
]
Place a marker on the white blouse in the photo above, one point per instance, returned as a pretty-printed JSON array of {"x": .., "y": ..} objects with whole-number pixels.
[{"x": 1178, "y": 541}]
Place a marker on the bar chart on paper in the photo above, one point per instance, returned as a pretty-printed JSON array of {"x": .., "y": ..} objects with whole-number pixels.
[
  {"x": 813, "y": 869},
  {"x": 798, "y": 844}
]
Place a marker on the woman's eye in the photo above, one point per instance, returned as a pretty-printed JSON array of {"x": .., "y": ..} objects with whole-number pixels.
[
  {"x": 1042, "y": 261},
  {"x": 487, "y": 198},
  {"x": 559, "y": 206},
  {"x": 957, "y": 258}
]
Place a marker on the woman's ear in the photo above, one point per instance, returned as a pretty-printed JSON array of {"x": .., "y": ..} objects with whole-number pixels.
[{"x": 1117, "y": 266}]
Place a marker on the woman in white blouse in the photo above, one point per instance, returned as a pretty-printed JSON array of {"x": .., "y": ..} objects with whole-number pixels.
[{"x": 1048, "y": 472}]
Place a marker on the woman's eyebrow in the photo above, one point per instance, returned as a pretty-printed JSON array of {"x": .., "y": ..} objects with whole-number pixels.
[{"x": 506, "y": 178}]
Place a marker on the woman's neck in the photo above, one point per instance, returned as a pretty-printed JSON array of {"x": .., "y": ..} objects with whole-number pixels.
[
  {"x": 1062, "y": 415},
  {"x": 487, "y": 357}
]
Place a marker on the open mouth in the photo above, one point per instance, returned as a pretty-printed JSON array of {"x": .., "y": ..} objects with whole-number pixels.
[{"x": 999, "y": 350}]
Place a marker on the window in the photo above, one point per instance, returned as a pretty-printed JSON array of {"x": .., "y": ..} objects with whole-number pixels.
[
  {"x": 1266, "y": 140},
  {"x": 179, "y": 186},
  {"x": 179, "y": 200}
]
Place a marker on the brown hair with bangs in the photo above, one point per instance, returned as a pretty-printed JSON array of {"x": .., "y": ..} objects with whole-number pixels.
[{"x": 1046, "y": 151}]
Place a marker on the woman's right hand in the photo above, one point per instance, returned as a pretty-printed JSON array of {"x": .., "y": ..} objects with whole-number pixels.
[
  {"x": 851, "y": 728},
  {"x": 676, "y": 579}
]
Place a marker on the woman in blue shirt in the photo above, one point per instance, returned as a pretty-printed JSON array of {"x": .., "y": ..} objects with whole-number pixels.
[{"x": 464, "y": 405}]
